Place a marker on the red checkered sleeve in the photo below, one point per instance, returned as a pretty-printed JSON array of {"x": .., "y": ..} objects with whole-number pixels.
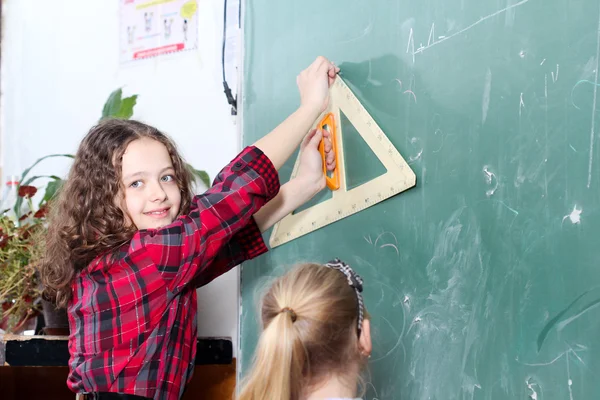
[{"x": 219, "y": 232}]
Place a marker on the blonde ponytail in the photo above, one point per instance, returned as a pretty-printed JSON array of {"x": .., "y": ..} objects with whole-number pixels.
[
  {"x": 310, "y": 318},
  {"x": 277, "y": 371}
]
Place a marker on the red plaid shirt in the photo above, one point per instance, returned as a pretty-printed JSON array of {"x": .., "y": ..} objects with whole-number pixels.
[{"x": 133, "y": 319}]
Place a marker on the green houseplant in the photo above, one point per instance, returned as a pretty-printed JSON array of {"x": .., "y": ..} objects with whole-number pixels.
[
  {"x": 21, "y": 237},
  {"x": 19, "y": 288}
]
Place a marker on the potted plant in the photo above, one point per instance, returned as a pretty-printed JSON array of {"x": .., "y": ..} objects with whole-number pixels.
[
  {"x": 19, "y": 287},
  {"x": 21, "y": 241}
]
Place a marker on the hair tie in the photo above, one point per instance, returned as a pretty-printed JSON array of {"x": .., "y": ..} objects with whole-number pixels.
[
  {"x": 291, "y": 312},
  {"x": 355, "y": 282}
]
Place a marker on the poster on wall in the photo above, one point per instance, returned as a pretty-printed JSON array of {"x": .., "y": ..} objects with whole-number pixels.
[{"x": 151, "y": 28}]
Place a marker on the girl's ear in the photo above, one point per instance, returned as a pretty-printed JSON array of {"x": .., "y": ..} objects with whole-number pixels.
[{"x": 365, "y": 346}]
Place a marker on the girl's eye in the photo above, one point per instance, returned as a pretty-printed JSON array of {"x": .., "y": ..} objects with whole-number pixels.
[
  {"x": 136, "y": 184},
  {"x": 168, "y": 178}
]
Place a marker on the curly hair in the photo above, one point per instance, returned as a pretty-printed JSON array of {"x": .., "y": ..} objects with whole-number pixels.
[{"x": 85, "y": 219}]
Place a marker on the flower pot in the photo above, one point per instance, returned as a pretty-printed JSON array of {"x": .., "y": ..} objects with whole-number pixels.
[{"x": 56, "y": 321}]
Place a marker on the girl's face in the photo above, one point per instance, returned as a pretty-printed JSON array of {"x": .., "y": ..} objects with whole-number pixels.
[{"x": 152, "y": 196}]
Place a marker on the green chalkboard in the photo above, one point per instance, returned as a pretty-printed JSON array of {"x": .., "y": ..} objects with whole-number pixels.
[{"x": 483, "y": 281}]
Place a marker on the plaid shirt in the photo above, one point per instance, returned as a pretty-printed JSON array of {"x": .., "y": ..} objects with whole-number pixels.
[{"x": 133, "y": 317}]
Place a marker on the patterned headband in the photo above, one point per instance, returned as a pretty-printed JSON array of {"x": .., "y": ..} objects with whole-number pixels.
[{"x": 355, "y": 282}]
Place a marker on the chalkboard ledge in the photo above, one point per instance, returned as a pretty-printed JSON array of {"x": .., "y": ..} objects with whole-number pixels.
[{"x": 46, "y": 351}]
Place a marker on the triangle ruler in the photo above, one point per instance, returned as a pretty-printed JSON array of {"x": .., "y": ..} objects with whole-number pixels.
[{"x": 345, "y": 202}]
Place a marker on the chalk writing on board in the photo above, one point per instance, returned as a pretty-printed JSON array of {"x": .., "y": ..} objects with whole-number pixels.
[
  {"x": 521, "y": 104},
  {"x": 533, "y": 386},
  {"x": 578, "y": 84},
  {"x": 555, "y": 76},
  {"x": 485, "y": 103},
  {"x": 439, "y": 132},
  {"x": 366, "y": 30},
  {"x": 593, "y": 132},
  {"x": 490, "y": 179},
  {"x": 570, "y": 351},
  {"x": 412, "y": 93},
  {"x": 432, "y": 42},
  {"x": 574, "y": 216},
  {"x": 384, "y": 245},
  {"x": 411, "y": 45},
  {"x": 416, "y": 143},
  {"x": 431, "y": 35}
]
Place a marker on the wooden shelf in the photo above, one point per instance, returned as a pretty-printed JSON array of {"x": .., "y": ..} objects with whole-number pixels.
[{"x": 44, "y": 351}]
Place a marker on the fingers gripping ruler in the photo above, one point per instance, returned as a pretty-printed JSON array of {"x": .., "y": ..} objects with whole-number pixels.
[{"x": 345, "y": 202}]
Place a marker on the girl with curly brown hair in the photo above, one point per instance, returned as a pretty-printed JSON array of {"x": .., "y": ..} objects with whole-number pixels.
[{"x": 128, "y": 243}]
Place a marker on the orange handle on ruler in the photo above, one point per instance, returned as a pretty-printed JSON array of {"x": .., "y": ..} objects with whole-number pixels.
[{"x": 328, "y": 123}]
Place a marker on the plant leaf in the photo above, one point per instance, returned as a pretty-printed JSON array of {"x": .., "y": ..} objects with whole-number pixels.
[
  {"x": 113, "y": 104},
  {"x": 127, "y": 105},
  {"x": 51, "y": 189},
  {"x": 19, "y": 202},
  {"x": 33, "y": 178},
  {"x": 202, "y": 175},
  {"x": 22, "y": 181},
  {"x": 40, "y": 160}
]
